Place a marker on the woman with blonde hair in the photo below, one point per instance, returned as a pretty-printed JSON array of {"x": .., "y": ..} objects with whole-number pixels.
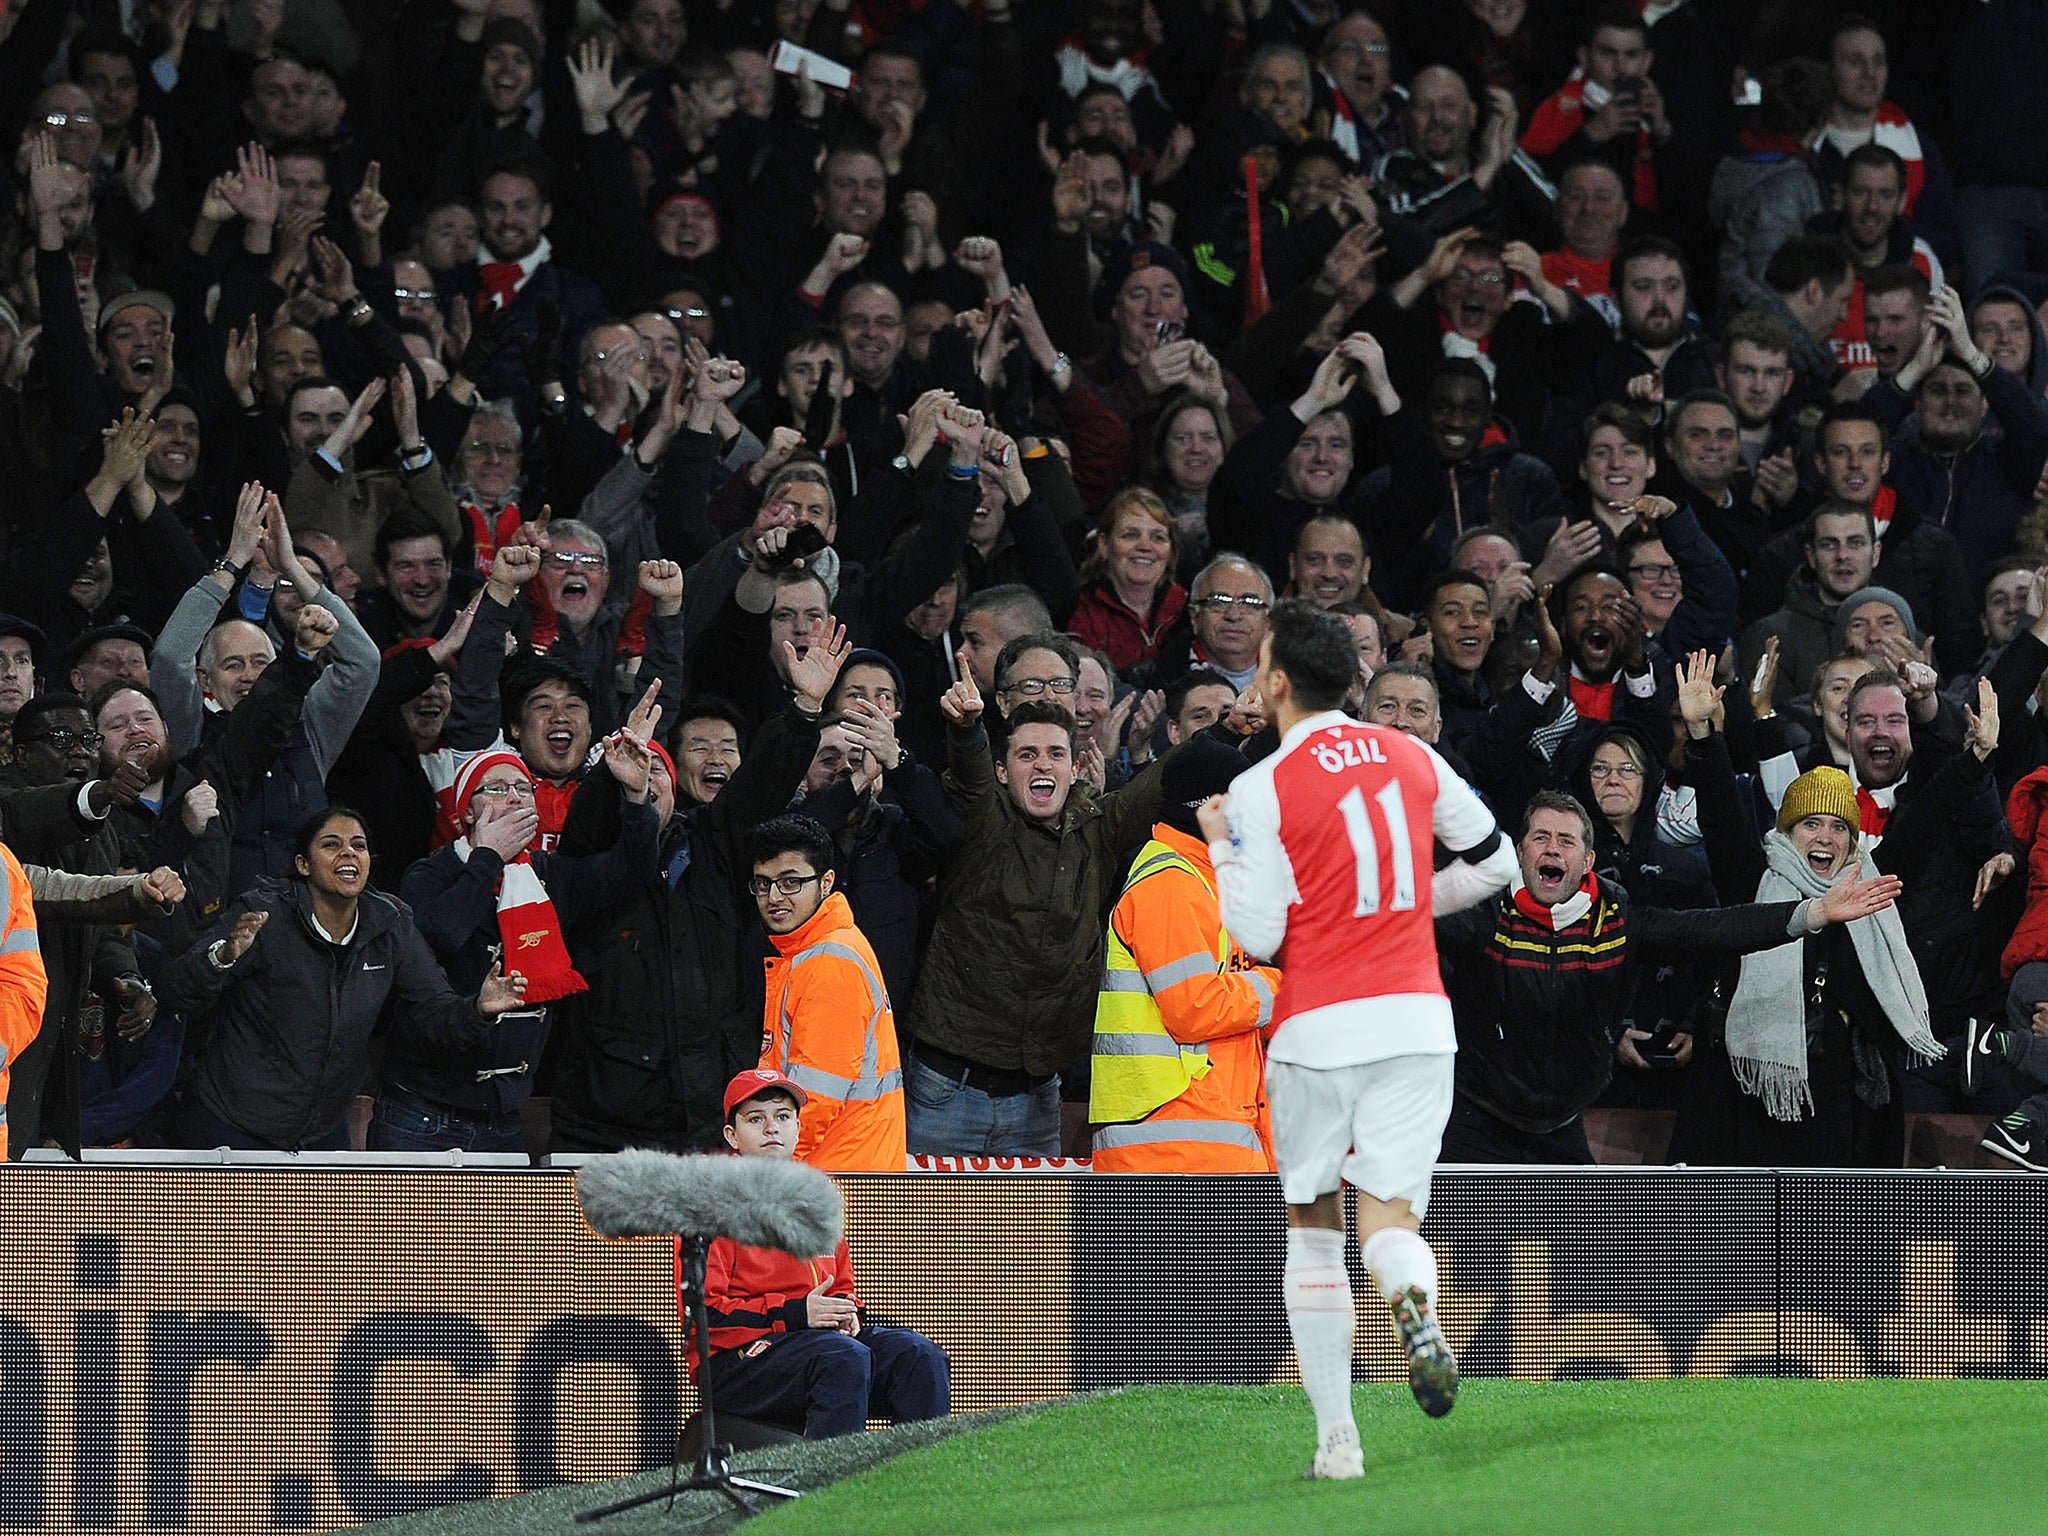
[{"x": 1129, "y": 597}]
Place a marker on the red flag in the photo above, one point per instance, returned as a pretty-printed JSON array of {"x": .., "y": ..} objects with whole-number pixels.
[{"x": 1256, "y": 300}]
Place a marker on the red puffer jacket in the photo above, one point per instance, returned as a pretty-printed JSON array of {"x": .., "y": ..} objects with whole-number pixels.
[{"x": 2024, "y": 809}]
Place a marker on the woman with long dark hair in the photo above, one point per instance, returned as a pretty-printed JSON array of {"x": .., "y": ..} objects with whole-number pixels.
[{"x": 288, "y": 986}]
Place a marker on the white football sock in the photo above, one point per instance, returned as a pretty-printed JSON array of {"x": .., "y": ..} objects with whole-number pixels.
[
  {"x": 1398, "y": 1261},
  {"x": 1322, "y": 1318}
]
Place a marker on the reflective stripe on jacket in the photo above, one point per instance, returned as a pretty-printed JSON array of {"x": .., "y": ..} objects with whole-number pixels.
[
  {"x": 1178, "y": 1076},
  {"x": 829, "y": 1029},
  {"x": 24, "y": 986}
]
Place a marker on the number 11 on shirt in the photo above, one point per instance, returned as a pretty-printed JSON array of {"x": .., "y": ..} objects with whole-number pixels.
[{"x": 1365, "y": 847}]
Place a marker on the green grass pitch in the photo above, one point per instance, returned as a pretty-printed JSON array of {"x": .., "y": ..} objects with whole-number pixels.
[{"x": 1866, "y": 1458}]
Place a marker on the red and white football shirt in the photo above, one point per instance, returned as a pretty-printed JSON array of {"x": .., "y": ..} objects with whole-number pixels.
[{"x": 1330, "y": 876}]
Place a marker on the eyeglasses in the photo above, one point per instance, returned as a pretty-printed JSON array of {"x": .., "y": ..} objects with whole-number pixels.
[
  {"x": 1370, "y": 50},
  {"x": 569, "y": 559},
  {"x": 424, "y": 295},
  {"x": 484, "y": 450},
  {"x": 1223, "y": 602},
  {"x": 789, "y": 885},
  {"x": 1483, "y": 279},
  {"x": 1032, "y": 687},
  {"x": 605, "y": 354},
  {"x": 68, "y": 741},
  {"x": 1657, "y": 571},
  {"x": 1614, "y": 771},
  {"x": 69, "y": 120},
  {"x": 500, "y": 791},
  {"x": 694, "y": 313}
]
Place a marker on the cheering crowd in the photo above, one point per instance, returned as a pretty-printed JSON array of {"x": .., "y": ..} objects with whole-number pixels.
[{"x": 569, "y": 550}]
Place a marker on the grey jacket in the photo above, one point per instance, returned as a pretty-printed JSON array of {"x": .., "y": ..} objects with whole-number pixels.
[
  {"x": 333, "y": 704},
  {"x": 1759, "y": 205}
]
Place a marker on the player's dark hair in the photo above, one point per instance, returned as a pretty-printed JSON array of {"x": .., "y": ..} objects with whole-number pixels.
[{"x": 1315, "y": 650}]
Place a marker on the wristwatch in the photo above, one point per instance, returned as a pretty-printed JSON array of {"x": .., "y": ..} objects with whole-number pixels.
[
  {"x": 1060, "y": 364},
  {"x": 213, "y": 956},
  {"x": 229, "y": 569}
]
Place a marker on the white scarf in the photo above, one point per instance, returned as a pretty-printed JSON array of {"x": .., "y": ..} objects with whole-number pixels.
[{"x": 1767, "y": 1018}]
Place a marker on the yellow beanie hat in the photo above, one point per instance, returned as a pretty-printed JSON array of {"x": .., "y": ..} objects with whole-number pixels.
[{"x": 1819, "y": 792}]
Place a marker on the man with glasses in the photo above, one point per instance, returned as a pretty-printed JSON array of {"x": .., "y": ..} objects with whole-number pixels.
[
  {"x": 1357, "y": 68},
  {"x": 828, "y": 1024},
  {"x": 484, "y": 896},
  {"x": 1231, "y": 601}
]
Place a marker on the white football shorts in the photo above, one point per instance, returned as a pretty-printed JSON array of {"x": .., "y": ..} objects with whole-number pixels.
[{"x": 1377, "y": 1126}]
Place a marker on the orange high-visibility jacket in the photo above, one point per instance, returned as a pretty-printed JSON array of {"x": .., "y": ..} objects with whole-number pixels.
[
  {"x": 1210, "y": 995},
  {"x": 830, "y": 1030},
  {"x": 24, "y": 985}
]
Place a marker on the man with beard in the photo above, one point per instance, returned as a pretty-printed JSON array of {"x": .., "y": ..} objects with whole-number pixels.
[
  {"x": 185, "y": 813},
  {"x": 1539, "y": 981},
  {"x": 675, "y": 986},
  {"x": 1982, "y": 438},
  {"x": 57, "y": 815},
  {"x": 1656, "y": 357},
  {"x": 1609, "y": 675},
  {"x": 1895, "y": 761}
]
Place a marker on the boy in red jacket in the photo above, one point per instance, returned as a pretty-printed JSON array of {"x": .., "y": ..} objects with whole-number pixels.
[{"x": 790, "y": 1343}]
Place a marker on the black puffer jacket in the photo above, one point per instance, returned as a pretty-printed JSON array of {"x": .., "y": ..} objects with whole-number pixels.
[
  {"x": 1536, "y": 1009},
  {"x": 286, "y": 1046},
  {"x": 675, "y": 999}
]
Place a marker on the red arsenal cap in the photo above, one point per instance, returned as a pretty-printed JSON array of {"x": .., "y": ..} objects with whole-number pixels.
[{"x": 752, "y": 1084}]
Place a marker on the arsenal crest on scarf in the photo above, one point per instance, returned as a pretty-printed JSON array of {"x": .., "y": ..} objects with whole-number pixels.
[{"x": 527, "y": 924}]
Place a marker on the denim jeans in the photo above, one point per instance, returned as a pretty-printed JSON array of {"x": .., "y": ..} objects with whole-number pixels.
[
  {"x": 949, "y": 1119},
  {"x": 403, "y": 1123}
]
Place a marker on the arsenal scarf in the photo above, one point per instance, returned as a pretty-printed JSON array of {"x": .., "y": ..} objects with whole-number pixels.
[
  {"x": 1566, "y": 912},
  {"x": 531, "y": 932}
]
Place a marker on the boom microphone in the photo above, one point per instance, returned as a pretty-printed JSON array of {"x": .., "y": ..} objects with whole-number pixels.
[{"x": 762, "y": 1202}]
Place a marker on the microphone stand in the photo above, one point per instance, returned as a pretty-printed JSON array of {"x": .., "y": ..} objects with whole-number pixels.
[{"x": 713, "y": 1472}]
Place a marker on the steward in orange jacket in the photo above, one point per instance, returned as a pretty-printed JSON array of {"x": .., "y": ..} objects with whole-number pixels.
[
  {"x": 24, "y": 985},
  {"x": 1178, "y": 1081},
  {"x": 830, "y": 1028}
]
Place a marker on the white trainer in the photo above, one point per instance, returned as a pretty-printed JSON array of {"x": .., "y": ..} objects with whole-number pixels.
[{"x": 1334, "y": 1463}]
